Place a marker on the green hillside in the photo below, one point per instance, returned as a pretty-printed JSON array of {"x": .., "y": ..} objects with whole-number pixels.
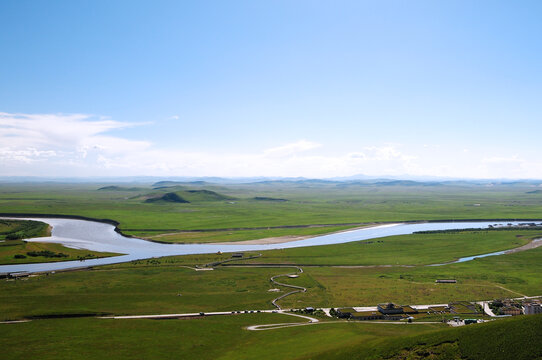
[
  {"x": 204, "y": 195},
  {"x": 188, "y": 196},
  {"x": 168, "y": 197},
  {"x": 516, "y": 338}
]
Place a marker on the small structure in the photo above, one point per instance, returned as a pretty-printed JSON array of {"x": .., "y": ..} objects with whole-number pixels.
[
  {"x": 309, "y": 309},
  {"x": 345, "y": 313},
  {"x": 445, "y": 281},
  {"x": 389, "y": 308},
  {"x": 237, "y": 255}
]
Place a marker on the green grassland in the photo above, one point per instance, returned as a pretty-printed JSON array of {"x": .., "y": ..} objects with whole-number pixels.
[
  {"x": 43, "y": 252},
  {"x": 218, "y": 337},
  {"x": 353, "y": 274},
  {"x": 307, "y": 204},
  {"x": 147, "y": 288},
  {"x": 515, "y": 338},
  {"x": 224, "y": 337},
  {"x": 503, "y": 276},
  {"x": 22, "y": 229},
  {"x": 13, "y": 250},
  {"x": 153, "y": 286},
  {"x": 415, "y": 249}
]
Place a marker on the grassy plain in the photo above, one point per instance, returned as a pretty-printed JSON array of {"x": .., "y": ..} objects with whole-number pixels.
[
  {"x": 219, "y": 337},
  {"x": 10, "y": 248},
  {"x": 415, "y": 249},
  {"x": 504, "y": 276},
  {"x": 307, "y": 204},
  {"x": 153, "y": 286},
  {"x": 21, "y": 229},
  {"x": 354, "y": 274},
  {"x": 516, "y": 338},
  {"x": 14, "y": 250},
  {"x": 224, "y": 337},
  {"x": 141, "y": 289}
]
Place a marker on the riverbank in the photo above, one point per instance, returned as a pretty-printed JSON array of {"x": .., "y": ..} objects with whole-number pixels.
[{"x": 290, "y": 238}]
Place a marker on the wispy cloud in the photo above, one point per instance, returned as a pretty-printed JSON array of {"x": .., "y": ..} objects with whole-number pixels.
[{"x": 79, "y": 144}]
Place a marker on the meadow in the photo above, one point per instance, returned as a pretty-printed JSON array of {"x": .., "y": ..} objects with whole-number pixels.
[
  {"x": 224, "y": 337},
  {"x": 171, "y": 285},
  {"x": 361, "y": 273},
  {"x": 308, "y": 203},
  {"x": 15, "y": 250},
  {"x": 513, "y": 338},
  {"x": 215, "y": 337},
  {"x": 415, "y": 249}
]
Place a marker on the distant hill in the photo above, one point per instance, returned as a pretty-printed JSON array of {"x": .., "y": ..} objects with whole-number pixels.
[
  {"x": 120, "y": 188},
  {"x": 294, "y": 182},
  {"x": 406, "y": 183},
  {"x": 204, "y": 195},
  {"x": 263, "y": 198},
  {"x": 188, "y": 196},
  {"x": 168, "y": 197},
  {"x": 534, "y": 192}
]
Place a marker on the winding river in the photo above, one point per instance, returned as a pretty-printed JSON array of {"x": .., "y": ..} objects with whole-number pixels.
[{"x": 97, "y": 236}]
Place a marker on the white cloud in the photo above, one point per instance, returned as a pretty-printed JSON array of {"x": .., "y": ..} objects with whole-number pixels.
[{"x": 81, "y": 145}]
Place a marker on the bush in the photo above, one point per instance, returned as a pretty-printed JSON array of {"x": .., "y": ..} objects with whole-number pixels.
[
  {"x": 45, "y": 253},
  {"x": 20, "y": 256}
]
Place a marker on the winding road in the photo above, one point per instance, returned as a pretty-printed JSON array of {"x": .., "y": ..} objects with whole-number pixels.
[{"x": 297, "y": 288}]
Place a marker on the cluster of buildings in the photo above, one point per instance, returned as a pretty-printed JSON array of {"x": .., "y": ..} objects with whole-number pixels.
[
  {"x": 386, "y": 311},
  {"x": 515, "y": 307},
  {"x": 391, "y": 311}
]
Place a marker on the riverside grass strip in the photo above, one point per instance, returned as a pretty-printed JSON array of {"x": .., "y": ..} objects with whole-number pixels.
[{"x": 306, "y": 205}]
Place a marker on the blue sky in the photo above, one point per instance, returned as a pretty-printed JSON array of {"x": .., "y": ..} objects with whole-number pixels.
[{"x": 271, "y": 88}]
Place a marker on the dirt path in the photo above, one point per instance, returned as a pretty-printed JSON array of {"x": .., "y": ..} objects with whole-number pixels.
[
  {"x": 532, "y": 245},
  {"x": 512, "y": 291},
  {"x": 311, "y": 320}
]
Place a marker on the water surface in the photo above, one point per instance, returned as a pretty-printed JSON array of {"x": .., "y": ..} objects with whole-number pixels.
[{"x": 97, "y": 236}]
